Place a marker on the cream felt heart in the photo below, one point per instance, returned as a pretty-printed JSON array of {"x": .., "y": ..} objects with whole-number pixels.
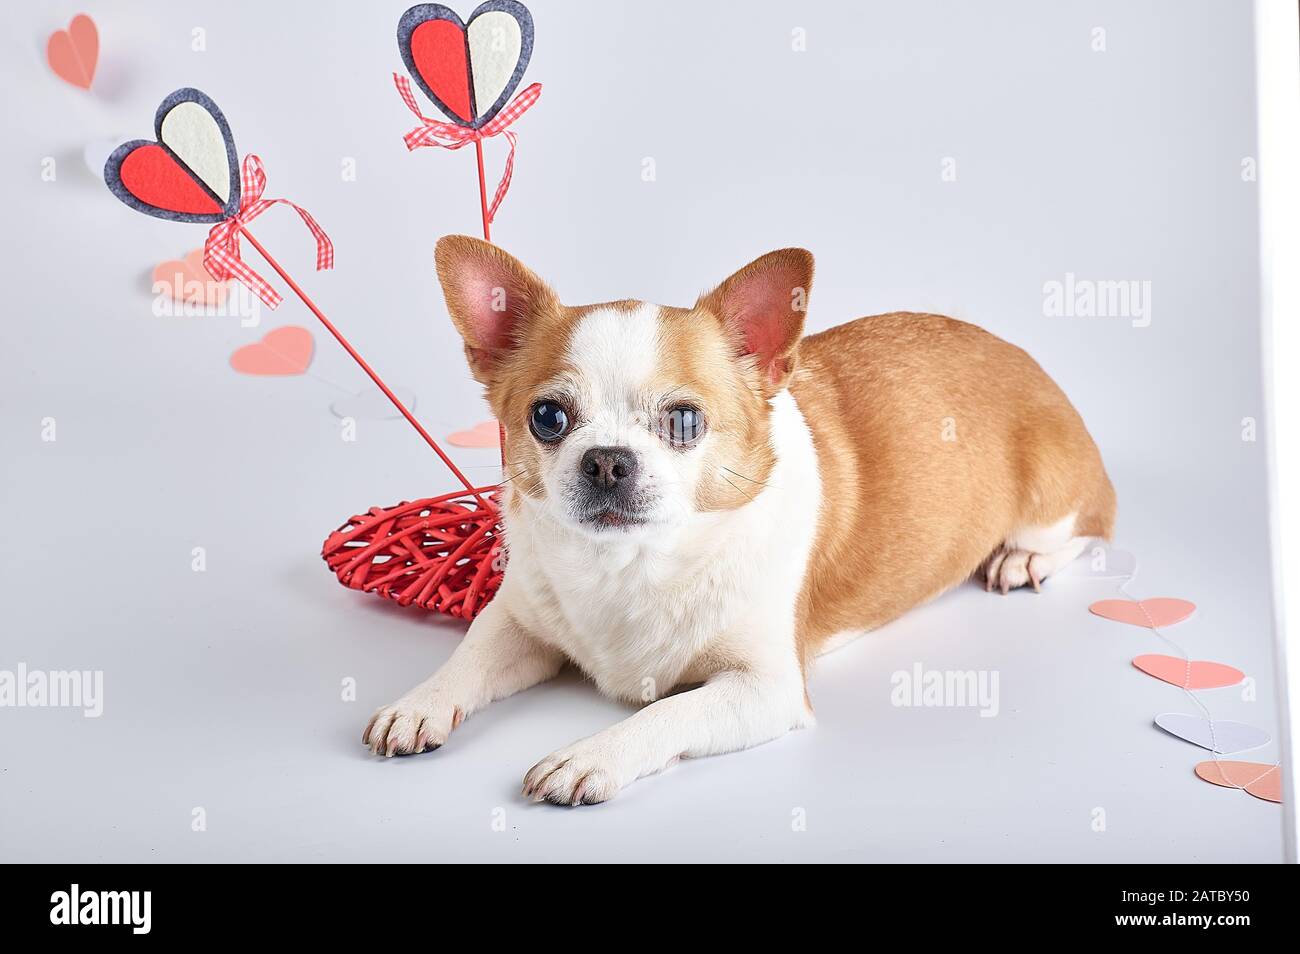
[
  {"x": 1189, "y": 673},
  {"x": 194, "y": 135},
  {"x": 1152, "y": 614},
  {"x": 1262, "y": 781},
  {"x": 495, "y": 40}
]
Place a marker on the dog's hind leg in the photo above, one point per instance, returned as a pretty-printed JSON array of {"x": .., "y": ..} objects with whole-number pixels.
[{"x": 1032, "y": 554}]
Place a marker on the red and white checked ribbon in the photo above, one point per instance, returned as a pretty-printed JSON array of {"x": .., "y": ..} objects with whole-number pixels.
[
  {"x": 431, "y": 132},
  {"x": 221, "y": 251}
]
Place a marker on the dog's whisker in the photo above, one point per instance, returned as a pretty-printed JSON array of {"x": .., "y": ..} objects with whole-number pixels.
[
  {"x": 735, "y": 488},
  {"x": 761, "y": 483}
]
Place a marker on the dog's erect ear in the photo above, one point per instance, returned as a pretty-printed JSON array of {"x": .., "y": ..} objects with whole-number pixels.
[
  {"x": 763, "y": 307},
  {"x": 490, "y": 295}
]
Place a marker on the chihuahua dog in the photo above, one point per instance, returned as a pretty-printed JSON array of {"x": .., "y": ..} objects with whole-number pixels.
[{"x": 699, "y": 501}]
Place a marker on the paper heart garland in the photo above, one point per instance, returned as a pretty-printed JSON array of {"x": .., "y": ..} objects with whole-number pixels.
[
  {"x": 1189, "y": 674},
  {"x": 1262, "y": 781},
  {"x": 188, "y": 280},
  {"x": 483, "y": 434},
  {"x": 468, "y": 68},
  {"x": 1220, "y": 736},
  {"x": 371, "y": 404},
  {"x": 1154, "y": 613},
  {"x": 73, "y": 53},
  {"x": 190, "y": 174},
  {"x": 281, "y": 352}
]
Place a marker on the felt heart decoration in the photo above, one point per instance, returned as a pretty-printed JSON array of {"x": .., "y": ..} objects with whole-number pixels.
[
  {"x": 1220, "y": 736},
  {"x": 1262, "y": 781},
  {"x": 483, "y": 434},
  {"x": 1151, "y": 614},
  {"x": 188, "y": 280},
  {"x": 469, "y": 69},
  {"x": 1189, "y": 674},
  {"x": 283, "y": 351},
  {"x": 73, "y": 53},
  {"x": 190, "y": 174}
]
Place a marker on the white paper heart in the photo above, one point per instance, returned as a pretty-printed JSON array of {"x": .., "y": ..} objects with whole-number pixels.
[
  {"x": 1222, "y": 737},
  {"x": 494, "y": 41},
  {"x": 96, "y": 153},
  {"x": 192, "y": 133},
  {"x": 1101, "y": 562},
  {"x": 371, "y": 405}
]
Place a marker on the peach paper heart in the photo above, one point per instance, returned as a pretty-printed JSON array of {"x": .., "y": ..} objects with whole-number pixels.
[
  {"x": 283, "y": 351},
  {"x": 73, "y": 53},
  {"x": 187, "y": 280},
  {"x": 1194, "y": 674},
  {"x": 1149, "y": 614},
  {"x": 1262, "y": 781},
  {"x": 483, "y": 434}
]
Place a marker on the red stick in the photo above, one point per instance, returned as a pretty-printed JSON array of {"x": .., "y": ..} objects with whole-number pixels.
[
  {"x": 338, "y": 336},
  {"x": 482, "y": 192},
  {"x": 487, "y": 237}
]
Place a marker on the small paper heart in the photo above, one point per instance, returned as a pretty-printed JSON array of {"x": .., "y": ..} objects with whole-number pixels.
[
  {"x": 284, "y": 351},
  {"x": 1220, "y": 736},
  {"x": 372, "y": 405},
  {"x": 1101, "y": 562},
  {"x": 1189, "y": 674},
  {"x": 1150, "y": 614},
  {"x": 482, "y": 434},
  {"x": 1262, "y": 781},
  {"x": 188, "y": 280},
  {"x": 73, "y": 53},
  {"x": 96, "y": 153}
]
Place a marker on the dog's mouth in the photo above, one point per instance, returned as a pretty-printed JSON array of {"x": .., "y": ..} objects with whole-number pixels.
[{"x": 613, "y": 519}]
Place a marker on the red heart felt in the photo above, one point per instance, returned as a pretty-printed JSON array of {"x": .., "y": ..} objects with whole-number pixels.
[
  {"x": 438, "y": 48},
  {"x": 151, "y": 175}
]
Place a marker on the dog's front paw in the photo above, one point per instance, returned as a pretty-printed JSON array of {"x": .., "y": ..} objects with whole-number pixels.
[
  {"x": 418, "y": 722},
  {"x": 584, "y": 773}
]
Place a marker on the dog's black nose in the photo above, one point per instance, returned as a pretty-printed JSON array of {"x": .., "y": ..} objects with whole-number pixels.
[{"x": 607, "y": 467}]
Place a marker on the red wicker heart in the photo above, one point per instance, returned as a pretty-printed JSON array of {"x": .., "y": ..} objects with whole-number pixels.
[{"x": 441, "y": 553}]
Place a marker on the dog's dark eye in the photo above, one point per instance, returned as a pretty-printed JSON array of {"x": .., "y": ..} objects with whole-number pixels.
[
  {"x": 548, "y": 421},
  {"x": 683, "y": 425}
]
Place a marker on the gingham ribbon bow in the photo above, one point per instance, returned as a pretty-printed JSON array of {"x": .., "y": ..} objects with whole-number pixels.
[
  {"x": 221, "y": 252},
  {"x": 431, "y": 132}
]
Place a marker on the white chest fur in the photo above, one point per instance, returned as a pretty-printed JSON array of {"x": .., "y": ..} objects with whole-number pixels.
[{"x": 643, "y": 616}]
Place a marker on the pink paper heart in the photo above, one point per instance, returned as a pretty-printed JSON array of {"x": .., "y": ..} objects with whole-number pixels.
[
  {"x": 283, "y": 351},
  {"x": 73, "y": 53},
  {"x": 1153, "y": 613},
  {"x": 1193, "y": 674},
  {"x": 483, "y": 434},
  {"x": 188, "y": 280},
  {"x": 1262, "y": 781}
]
